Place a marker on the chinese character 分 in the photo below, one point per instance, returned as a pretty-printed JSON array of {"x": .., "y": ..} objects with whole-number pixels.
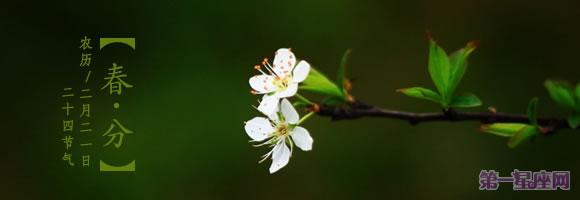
[{"x": 119, "y": 135}]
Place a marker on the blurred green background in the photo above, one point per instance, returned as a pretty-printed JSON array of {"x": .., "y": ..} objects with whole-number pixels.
[{"x": 191, "y": 96}]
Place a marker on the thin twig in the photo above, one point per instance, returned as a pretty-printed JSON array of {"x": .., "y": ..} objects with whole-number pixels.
[{"x": 358, "y": 109}]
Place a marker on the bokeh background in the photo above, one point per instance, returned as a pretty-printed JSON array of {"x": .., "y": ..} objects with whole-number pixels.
[{"x": 191, "y": 96}]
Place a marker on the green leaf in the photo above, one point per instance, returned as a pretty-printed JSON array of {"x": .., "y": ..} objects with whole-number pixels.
[
  {"x": 316, "y": 82},
  {"x": 465, "y": 101},
  {"x": 561, "y": 93},
  {"x": 574, "y": 120},
  {"x": 502, "y": 129},
  {"x": 341, "y": 79},
  {"x": 439, "y": 69},
  {"x": 421, "y": 93},
  {"x": 532, "y": 111},
  {"x": 523, "y": 134},
  {"x": 517, "y": 131},
  {"x": 458, "y": 66}
]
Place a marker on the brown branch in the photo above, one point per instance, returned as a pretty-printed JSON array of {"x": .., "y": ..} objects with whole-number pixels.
[{"x": 358, "y": 109}]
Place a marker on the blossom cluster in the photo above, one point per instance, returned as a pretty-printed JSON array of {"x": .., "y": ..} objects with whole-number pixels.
[{"x": 279, "y": 127}]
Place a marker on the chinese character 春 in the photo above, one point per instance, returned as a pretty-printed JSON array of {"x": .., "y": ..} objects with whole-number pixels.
[{"x": 115, "y": 83}]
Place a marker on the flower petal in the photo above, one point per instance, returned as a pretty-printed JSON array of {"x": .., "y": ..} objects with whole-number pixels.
[
  {"x": 300, "y": 71},
  {"x": 262, "y": 83},
  {"x": 302, "y": 138},
  {"x": 274, "y": 118},
  {"x": 284, "y": 62},
  {"x": 289, "y": 112},
  {"x": 280, "y": 156},
  {"x": 259, "y": 128},
  {"x": 289, "y": 91},
  {"x": 269, "y": 104}
]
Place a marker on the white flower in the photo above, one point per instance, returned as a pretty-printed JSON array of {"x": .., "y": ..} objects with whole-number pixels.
[
  {"x": 281, "y": 81},
  {"x": 279, "y": 131}
]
